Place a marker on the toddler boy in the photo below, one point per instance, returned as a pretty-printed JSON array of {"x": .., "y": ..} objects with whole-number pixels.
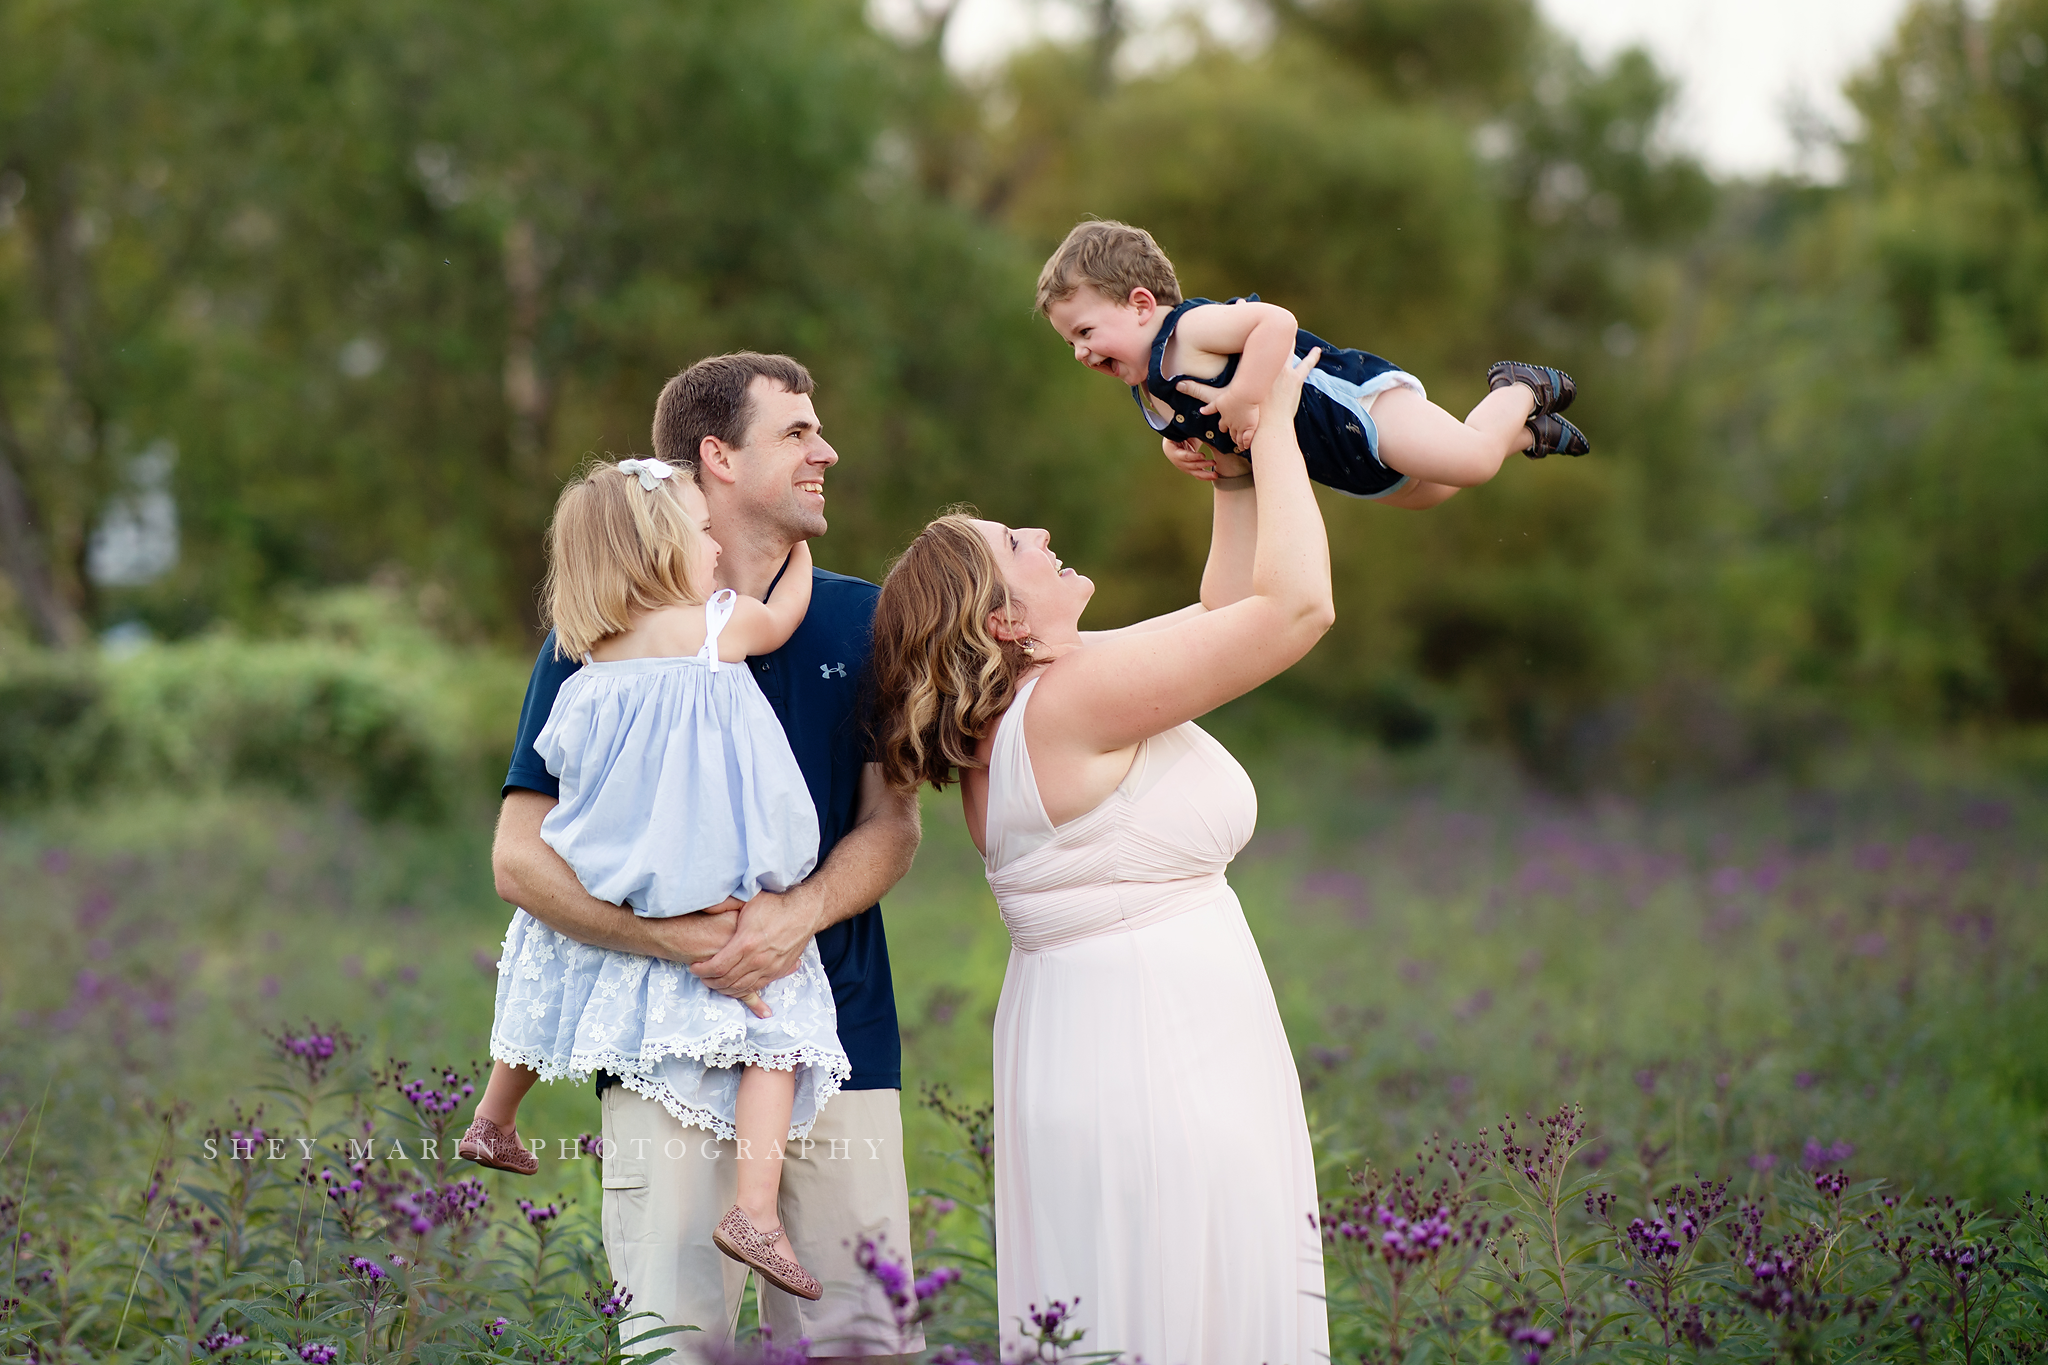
[{"x": 1197, "y": 369}]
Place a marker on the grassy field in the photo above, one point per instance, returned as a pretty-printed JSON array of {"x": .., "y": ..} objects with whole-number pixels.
[{"x": 1730, "y": 983}]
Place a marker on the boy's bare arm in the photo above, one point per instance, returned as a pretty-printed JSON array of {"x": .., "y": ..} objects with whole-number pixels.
[{"x": 1262, "y": 336}]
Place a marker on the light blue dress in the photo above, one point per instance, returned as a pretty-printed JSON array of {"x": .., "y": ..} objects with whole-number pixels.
[{"x": 678, "y": 790}]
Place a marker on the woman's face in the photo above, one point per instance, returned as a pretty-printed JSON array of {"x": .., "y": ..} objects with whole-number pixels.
[
  {"x": 1048, "y": 597},
  {"x": 705, "y": 566}
]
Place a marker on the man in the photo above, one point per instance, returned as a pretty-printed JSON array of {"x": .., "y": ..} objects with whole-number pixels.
[{"x": 744, "y": 427}]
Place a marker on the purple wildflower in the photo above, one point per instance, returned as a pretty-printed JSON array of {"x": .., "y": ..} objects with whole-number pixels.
[
  {"x": 614, "y": 1302},
  {"x": 1819, "y": 1154},
  {"x": 935, "y": 1283},
  {"x": 319, "y": 1353}
]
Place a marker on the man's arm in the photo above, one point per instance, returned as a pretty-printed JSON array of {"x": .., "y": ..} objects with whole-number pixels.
[
  {"x": 534, "y": 877},
  {"x": 868, "y": 860}
]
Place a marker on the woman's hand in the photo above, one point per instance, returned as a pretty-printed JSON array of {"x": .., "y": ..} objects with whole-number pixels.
[
  {"x": 1196, "y": 461},
  {"x": 1238, "y": 418},
  {"x": 1284, "y": 398}
]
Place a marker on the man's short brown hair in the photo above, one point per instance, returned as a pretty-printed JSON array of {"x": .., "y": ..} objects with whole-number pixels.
[
  {"x": 710, "y": 399},
  {"x": 1111, "y": 257}
]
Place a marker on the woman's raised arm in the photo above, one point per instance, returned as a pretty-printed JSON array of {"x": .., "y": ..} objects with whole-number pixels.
[{"x": 1122, "y": 688}]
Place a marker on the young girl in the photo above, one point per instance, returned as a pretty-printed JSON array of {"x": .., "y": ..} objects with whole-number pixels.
[{"x": 679, "y": 794}]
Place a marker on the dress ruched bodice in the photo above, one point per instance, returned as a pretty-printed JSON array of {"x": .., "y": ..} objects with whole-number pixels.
[
  {"x": 1155, "y": 848},
  {"x": 1153, "y": 1166}
]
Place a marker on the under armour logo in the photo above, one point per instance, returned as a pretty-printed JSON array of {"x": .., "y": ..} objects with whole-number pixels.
[{"x": 831, "y": 670}]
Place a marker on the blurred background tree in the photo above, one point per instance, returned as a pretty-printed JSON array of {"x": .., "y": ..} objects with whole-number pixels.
[{"x": 304, "y": 295}]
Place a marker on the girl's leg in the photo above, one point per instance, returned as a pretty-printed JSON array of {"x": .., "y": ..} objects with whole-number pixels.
[
  {"x": 1420, "y": 439},
  {"x": 491, "y": 1139},
  {"x": 503, "y": 1092},
  {"x": 760, "y": 1122}
]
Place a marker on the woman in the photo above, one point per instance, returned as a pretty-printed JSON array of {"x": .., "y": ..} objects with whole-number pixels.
[{"x": 1152, "y": 1158}]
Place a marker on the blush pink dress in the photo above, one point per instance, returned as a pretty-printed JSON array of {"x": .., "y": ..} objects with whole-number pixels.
[{"x": 1152, "y": 1157}]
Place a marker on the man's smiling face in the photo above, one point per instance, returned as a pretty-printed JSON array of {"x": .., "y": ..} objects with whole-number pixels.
[{"x": 781, "y": 469}]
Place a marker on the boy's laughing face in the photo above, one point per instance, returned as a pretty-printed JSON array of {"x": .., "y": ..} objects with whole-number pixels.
[{"x": 1109, "y": 335}]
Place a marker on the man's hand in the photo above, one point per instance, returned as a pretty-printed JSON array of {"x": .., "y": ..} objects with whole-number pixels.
[
  {"x": 768, "y": 941},
  {"x": 530, "y": 874},
  {"x": 773, "y": 929}
]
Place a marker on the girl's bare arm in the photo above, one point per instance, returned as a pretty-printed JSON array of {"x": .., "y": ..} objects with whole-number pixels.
[{"x": 764, "y": 627}]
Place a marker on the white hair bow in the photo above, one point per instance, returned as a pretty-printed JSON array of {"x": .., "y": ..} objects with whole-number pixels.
[{"x": 650, "y": 471}]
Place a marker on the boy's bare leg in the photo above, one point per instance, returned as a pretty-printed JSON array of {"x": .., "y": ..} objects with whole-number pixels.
[
  {"x": 760, "y": 1122},
  {"x": 1420, "y": 439},
  {"x": 503, "y": 1092}
]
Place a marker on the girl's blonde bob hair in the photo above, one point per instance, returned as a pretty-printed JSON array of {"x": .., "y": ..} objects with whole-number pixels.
[
  {"x": 940, "y": 676},
  {"x": 616, "y": 549}
]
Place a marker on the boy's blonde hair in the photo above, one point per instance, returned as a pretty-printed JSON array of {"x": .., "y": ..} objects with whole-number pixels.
[
  {"x": 614, "y": 549},
  {"x": 1113, "y": 258}
]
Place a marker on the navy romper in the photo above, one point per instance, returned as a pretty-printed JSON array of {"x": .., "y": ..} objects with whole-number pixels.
[{"x": 1338, "y": 439}]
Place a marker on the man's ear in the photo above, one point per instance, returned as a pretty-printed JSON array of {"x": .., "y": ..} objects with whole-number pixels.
[{"x": 714, "y": 459}]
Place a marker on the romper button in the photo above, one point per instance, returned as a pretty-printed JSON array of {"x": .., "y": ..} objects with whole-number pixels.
[
  {"x": 1210, "y": 434},
  {"x": 1180, "y": 417}
]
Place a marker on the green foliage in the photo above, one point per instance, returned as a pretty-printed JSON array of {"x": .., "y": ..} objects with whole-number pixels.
[
  {"x": 1749, "y": 992},
  {"x": 360, "y": 708},
  {"x": 337, "y": 1226},
  {"x": 379, "y": 276}
]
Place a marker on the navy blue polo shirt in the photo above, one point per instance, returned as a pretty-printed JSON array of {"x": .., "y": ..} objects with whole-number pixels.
[{"x": 813, "y": 682}]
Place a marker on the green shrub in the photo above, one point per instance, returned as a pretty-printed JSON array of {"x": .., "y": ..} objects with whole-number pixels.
[{"x": 362, "y": 705}]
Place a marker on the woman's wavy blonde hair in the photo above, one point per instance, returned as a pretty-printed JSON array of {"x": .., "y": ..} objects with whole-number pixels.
[
  {"x": 940, "y": 677},
  {"x": 615, "y": 549}
]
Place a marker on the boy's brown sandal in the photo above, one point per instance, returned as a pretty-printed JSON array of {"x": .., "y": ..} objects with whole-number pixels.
[
  {"x": 1553, "y": 388},
  {"x": 738, "y": 1238},
  {"x": 499, "y": 1148},
  {"x": 1555, "y": 436}
]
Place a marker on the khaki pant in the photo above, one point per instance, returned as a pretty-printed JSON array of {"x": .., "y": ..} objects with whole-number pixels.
[{"x": 666, "y": 1186}]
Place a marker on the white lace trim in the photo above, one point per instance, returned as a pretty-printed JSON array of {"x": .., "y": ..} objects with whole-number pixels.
[
  {"x": 693, "y": 1116},
  {"x": 640, "y": 1075}
]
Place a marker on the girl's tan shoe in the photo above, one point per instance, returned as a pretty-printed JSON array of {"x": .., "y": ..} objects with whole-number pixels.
[
  {"x": 738, "y": 1238},
  {"x": 499, "y": 1148}
]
